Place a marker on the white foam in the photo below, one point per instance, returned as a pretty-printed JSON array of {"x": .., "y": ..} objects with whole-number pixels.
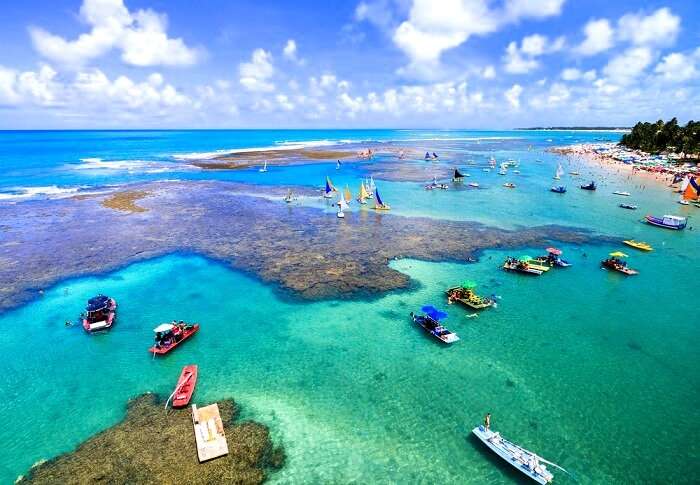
[
  {"x": 141, "y": 166},
  {"x": 280, "y": 145},
  {"x": 49, "y": 191}
]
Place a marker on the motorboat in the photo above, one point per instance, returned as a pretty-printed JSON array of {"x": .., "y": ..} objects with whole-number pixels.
[
  {"x": 514, "y": 264},
  {"x": 620, "y": 192},
  {"x": 430, "y": 322},
  {"x": 171, "y": 335},
  {"x": 465, "y": 295},
  {"x": 638, "y": 245},
  {"x": 509, "y": 185},
  {"x": 100, "y": 313},
  {"x": 559, "y": 189},
  {"x": 669, "y": 222},
  {"x": 589, "y": 186},
  {"x": 628, "y": 206}
]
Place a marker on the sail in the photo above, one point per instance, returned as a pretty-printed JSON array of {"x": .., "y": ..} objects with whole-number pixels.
[
  {"x": 560, "y": 172},
  {"x": 342, "y": 205},
  {"x": 348, "y": 195},
  {"x": 329, "y": 185},
  {"x": 372, "y": 186},
  {"x": 378, "y": 199},
  {"x": 427, "y": 155},
  {"x": 458, "y": 175},
  {"x": 363, "y": 192},
  {"x": 685, "y": 183},
  {"x": 692, "y": 190}
]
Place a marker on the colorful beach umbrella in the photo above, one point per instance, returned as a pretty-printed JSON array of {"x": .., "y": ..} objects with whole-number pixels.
[
  {"x": 618, "y": 254},
  {"x": 554, "y": 251}
]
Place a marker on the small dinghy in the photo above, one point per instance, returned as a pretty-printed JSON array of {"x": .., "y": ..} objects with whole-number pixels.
[
  {"x": 524, "y": 460},
  {"x": 184, "y": 388},
  {"x": 642, "y": 246},
  {"x": 264, "y": 168},
  {"x": 590, "y": 186},
  {"x": 509, "y": 185},
  {"x": 619, "y": 192},
  {"x": 615, "y": 263},
  {"x": 474, "y": 184},
  {"x": 628, "y": 206},
  {"x": 559, "y": 189},
  {"x": 430, "y": 322}
]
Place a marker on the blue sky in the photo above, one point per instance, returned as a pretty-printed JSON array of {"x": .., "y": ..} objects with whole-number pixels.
[{"x": 369, "y": 63}]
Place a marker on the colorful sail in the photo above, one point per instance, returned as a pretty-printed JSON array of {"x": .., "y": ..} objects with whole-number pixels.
[
  {"x": 348, "y": 195},
  {"x": 378, "y": 200},
  {"x": 692, "y": 190},
  {"x": 372, "y": 186},
  {"x": 363, "y": 193}
]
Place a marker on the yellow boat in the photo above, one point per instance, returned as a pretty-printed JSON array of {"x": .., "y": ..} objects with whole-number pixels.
[{"x": 638, "y": 245}]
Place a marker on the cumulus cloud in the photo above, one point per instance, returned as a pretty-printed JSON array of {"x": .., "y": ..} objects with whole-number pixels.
[
  {"x": 140, "y": 36},
  {"x": 677, "y": 67},
  {"x": 512, "y": 95},
  {"x": 658, "y": 28},
  {"x": 573, "y": 74},
  {"x": 430, "y": 31},
  {"x": 37, "y": 87},
  {"x": 255, "y": 75},
  {"x": 290, "y": 52},
  {"x": 489, "y": 72},
  {"x": 523, "y": 59},
  {"x": 627, "y": 66},
  {"x": 600, "y": 36}
]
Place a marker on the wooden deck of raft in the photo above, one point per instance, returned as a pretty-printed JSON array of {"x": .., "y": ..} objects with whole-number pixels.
[{"x": 209, "y": 432}]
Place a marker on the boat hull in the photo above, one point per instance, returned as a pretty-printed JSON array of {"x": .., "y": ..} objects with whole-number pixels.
[
  {"x": 185, "y": 336},
  {"x": 485, "y": 437},
  {"x": 185, "y": 386},
  {"x": 654, "y": 221}
]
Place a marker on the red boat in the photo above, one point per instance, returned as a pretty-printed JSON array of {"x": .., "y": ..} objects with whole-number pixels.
[
  {"x": 170, "y": 335},
  {"x": 185, "y": 386},
  {"x": 100, "y": 313}
]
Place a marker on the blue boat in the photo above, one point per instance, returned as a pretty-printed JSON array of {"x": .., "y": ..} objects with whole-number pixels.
[
  {"x": 430, "y": 322},
  {"x": 669, "y": 222}
]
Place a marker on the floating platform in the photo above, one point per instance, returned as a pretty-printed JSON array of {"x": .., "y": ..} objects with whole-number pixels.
[{"x": 209, "y": 432}]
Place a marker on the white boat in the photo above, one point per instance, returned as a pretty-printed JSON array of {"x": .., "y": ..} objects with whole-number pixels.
[
  {"x": 525, "y": 461},
  {"x": 264, "y": 168},
  {"x": 473, "y": 184},
  {"x": 342, "y": 205},
  {"x": 619, "y": 192},
  {"x": 559, "y": 172}
]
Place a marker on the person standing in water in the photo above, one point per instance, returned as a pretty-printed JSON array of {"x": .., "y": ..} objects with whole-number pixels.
[{"x": 487, "y": 421}]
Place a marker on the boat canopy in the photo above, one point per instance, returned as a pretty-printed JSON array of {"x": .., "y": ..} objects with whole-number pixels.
[
  {"x": 163, "y": 327},
  {"x": 525, "y": 258},
  {"x": 618, "y": 254},
  {"x": 433, "y": 312},
  {"x": 97, "y": 303}
]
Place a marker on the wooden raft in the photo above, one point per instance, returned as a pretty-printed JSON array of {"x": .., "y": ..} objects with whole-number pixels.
[{"x": 209, "y": 432}]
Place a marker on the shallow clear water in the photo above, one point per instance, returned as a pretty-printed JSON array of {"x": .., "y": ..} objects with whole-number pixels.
[{"x": 595, "y": 371}]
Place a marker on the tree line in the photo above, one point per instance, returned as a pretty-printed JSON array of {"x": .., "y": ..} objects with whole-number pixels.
[{"x": 664, "y": 137}]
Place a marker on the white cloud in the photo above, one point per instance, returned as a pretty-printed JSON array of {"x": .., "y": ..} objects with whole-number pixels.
[
  {"x": 141, "y": 36},
  {"x": 523, "y": 59},
  {"x": 489, "y": 72},
  {"x": 659, "y": 28},
  {"x": 627, "y": 66},
  {"x": 599, "y": 37},
  {"x": 430, "y": 31},
  {"x": 290, "y": 52},
  {"x": 677, "y": 67},
  {"x": 573, "y": 74},
  {"x": 255, "y": 75},
  {"x": 512, "y": 95},
  {"x": 36, "y": 87}
]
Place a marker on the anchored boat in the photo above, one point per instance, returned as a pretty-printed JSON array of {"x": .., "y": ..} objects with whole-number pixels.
[
  {"x": 559, "y": 189},
  {"x": 170, "y": 335},
  {"x": 638, "y": 245},
  {"x": 525, "y": 267},
  {"x": 524, "y": 460},
  {"x": 615, "y": 263},
  {"x": 430, "y": 322},
  {"x": 458, "y": 176},
  {"x": 589, "y": 186},
  {"x": 669, "y": 222},
  {"x": 100, "y": 313},
  {"x": 465, "y": 295},
  {"x": 185, "y": 387},
  {"x": 628, "y": 206},
  {"x": 328, "y": 192}
]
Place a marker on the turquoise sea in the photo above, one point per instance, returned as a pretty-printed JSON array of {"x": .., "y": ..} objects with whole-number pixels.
[{"x": 596, "y": 372}]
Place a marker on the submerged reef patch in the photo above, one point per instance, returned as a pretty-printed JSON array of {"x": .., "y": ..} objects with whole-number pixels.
[
  {"x": 150, "y": 446},
  {"x": 308, "y": 253}
]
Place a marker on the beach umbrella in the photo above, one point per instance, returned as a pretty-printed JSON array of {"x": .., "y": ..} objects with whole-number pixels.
[
  {"x": 525, "y": 258},
  {"x": 469, "y": 284},
  {"x": 618, "y": 254},
  {"x": 554, "y": 251},
  {"x": 433, "y": 312}
]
